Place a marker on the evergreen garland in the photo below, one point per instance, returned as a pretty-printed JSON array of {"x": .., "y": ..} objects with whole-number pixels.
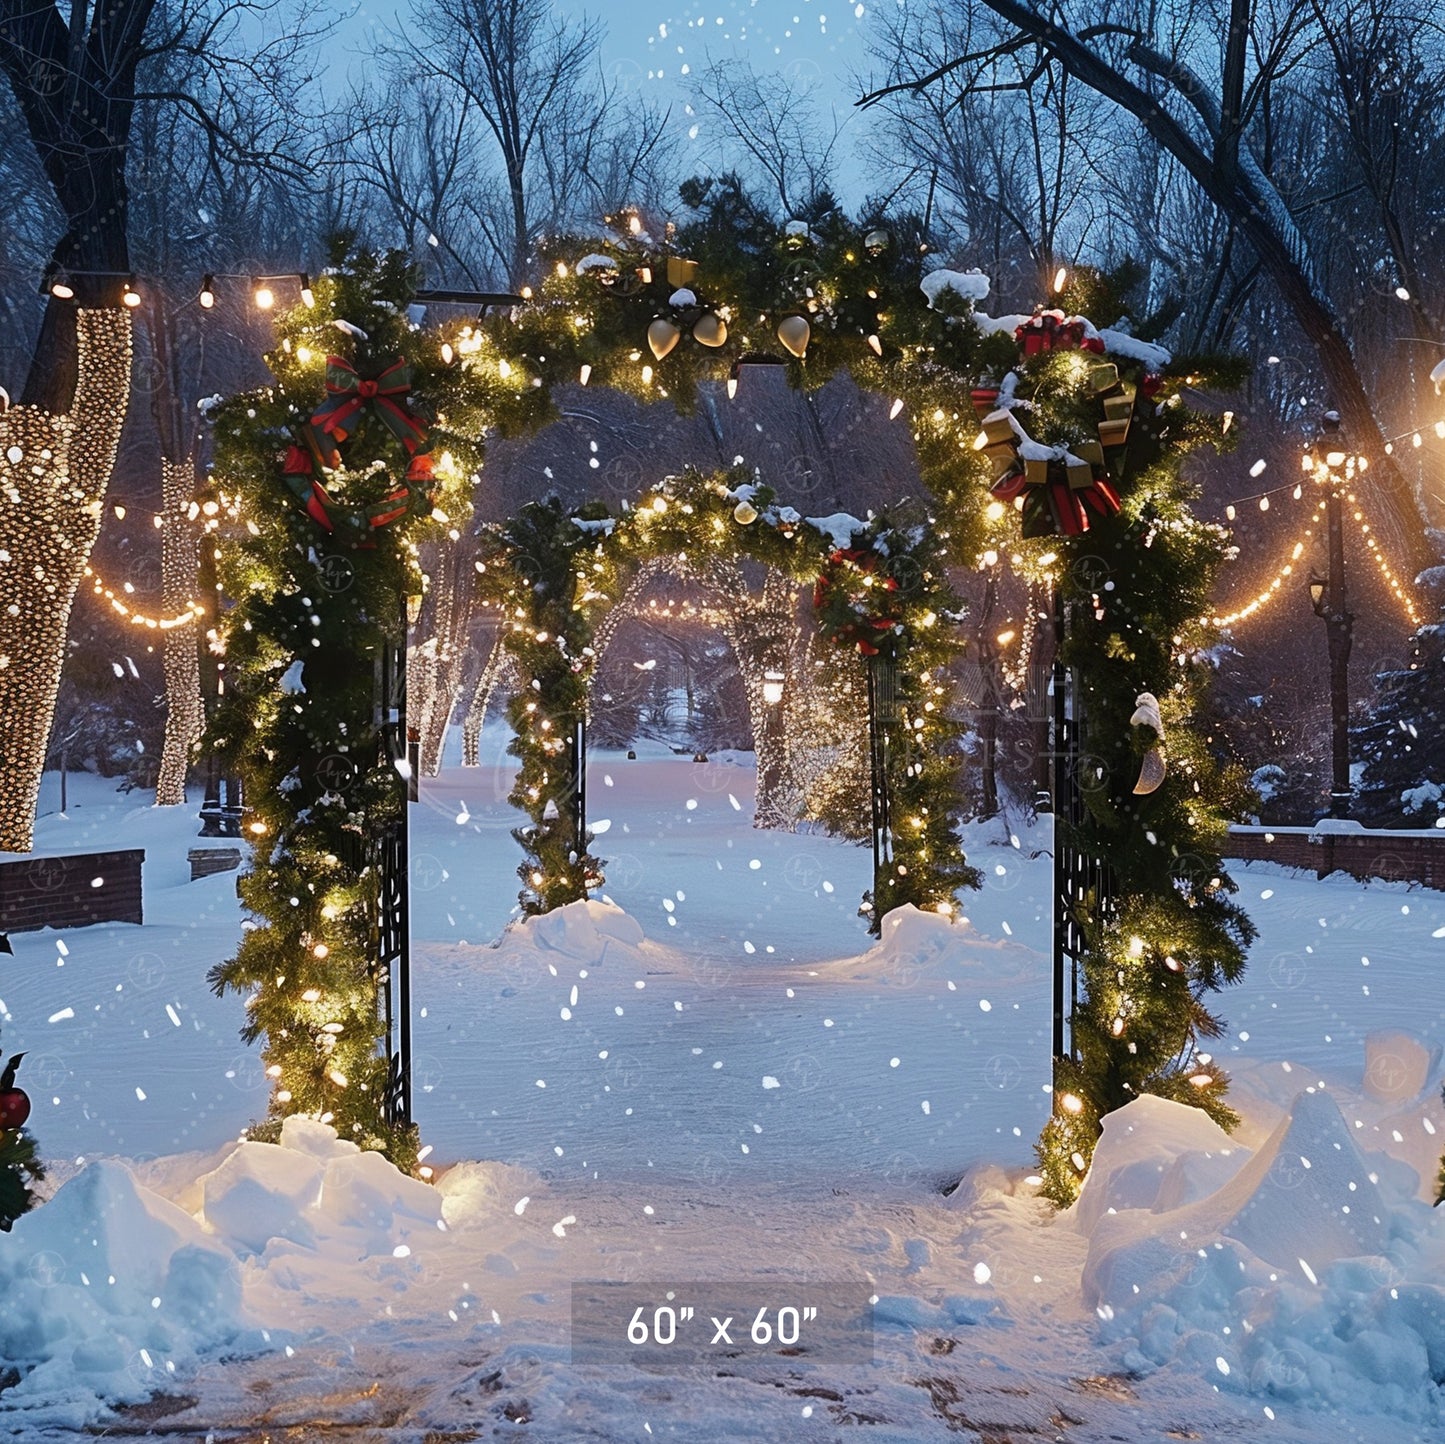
[
  {"x": 300, "y": 648},
  {"x": 1136, "y": 590},
  {"x": 312, "y": 610}
]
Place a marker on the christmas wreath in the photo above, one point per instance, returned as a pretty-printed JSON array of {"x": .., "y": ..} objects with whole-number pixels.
[
  {"x": 843, "y": 599},
  {"x": 352, "y": 399}
]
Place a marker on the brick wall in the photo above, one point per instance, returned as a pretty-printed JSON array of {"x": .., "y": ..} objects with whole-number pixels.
[
  {"x": 70, "y": 892},
  {"x": 205, "y": 861},
  {"x": 1396, "y": 856}
]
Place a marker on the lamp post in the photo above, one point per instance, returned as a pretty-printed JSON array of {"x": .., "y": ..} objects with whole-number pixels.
[{"x": 1335, "y": 469}]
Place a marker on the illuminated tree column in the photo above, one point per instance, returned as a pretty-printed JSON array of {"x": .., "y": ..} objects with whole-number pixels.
[
  {"x": 180, "y": 563},
  {"x": 54, "y": 470}
]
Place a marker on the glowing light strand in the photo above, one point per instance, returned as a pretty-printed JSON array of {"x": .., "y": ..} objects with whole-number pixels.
[
  {"x": 1265, "y": 597},
  {"x": 140, "y": 619}
]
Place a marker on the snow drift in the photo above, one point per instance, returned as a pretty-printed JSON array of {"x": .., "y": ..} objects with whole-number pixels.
[{"x": 1305, "y": 1271}]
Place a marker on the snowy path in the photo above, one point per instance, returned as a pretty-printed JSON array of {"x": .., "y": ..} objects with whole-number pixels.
[{"x": 651, "y": 1163}]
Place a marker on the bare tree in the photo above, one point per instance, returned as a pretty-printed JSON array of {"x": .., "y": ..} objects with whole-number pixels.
[
  {"x": 787, "y": 147},
  {"x": 496, "y": 126},
  {"x": 1006, "y": 171},
  {"x": 1150, "y": 62}
]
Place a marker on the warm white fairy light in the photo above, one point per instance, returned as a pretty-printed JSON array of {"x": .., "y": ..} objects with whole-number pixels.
[
  {"x": 54, "y": 471},
  {"x": 180, "y": 557},
  {"x": 1387, "y": 573},
  {"x": 1270, "y": 592},
  {"x": 122, "y": 608}
]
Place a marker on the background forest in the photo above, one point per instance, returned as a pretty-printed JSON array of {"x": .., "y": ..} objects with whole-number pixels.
[{"x": 1272, "y": 177}]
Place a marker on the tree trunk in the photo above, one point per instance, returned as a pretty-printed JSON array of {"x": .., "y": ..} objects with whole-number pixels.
[
  {"x": 54, "y": 471},
  {"x": 180, "y": 563}
]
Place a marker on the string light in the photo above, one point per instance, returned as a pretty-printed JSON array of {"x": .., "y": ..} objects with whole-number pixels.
[
  {"x": 1397, "y": 590},
  {"x": 1276, "y": 582},
  {"x": 53, "y": 476},
  {"x": 180, "y": 556},
  {"x": 119, "y": 605}
]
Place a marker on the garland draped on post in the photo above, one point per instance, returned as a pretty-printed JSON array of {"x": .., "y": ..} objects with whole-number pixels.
[{"x": 319, "y": 573}]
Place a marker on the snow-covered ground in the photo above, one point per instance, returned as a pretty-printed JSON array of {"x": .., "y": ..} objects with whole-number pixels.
[{"x": 719, "y": 1079}]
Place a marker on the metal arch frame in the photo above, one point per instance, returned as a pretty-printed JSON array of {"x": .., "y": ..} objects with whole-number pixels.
[{"x": 1085, "y": 887}]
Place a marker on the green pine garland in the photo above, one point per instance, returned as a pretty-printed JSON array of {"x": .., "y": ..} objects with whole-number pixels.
[
  {"x": 312, "y": 610},
  {"x": 1137, "y": 589}
]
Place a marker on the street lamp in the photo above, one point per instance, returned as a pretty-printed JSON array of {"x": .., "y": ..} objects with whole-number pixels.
[
  {"x": 1335, "y": 470},
  {"x": 773, "y": 687}
]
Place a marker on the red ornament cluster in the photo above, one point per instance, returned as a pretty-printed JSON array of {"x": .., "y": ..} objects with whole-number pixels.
[
  {"x": 14, "y": 1102},
  {"x": 848, "y": 625},
  {"x": 1053, "y": 331}
]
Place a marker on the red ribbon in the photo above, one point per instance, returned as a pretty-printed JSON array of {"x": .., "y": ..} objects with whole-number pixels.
[{"x": 348, "y": 393}]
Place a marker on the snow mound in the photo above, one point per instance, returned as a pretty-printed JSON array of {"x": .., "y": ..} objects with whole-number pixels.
[
  {"x": 583, "y": 929},
  {"x": 966, "y": 285},
  {"x": 477, "y": 1194},
  {"x": 914, "y": 946},
  {"x": 313, "y": 1189},
  {"x": 1155, "y": 1154},
  {"x": 1297, "y": 1278},
  {"x": 1398, "y": 1065},
  {"x": 310, "y": 1135},
  {"x": 110, "y": 1292},
  {"x": 262, "y": 1192},
  {"x": 367, "y": 1192}
]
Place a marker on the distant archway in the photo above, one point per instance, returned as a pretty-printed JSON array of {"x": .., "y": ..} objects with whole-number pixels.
[{"x": 563, "y": 578}]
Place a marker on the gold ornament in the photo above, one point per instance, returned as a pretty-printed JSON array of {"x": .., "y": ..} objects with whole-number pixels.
[
  {"x": 711, "y": 330},
  {"x": 662, "y": 336},
  {"x": 795, "y": 333},
  {"x": 680, "y": 271}
]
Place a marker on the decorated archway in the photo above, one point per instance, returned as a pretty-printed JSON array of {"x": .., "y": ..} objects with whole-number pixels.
[
  {"x": 879, "y": 587},
  {"x": 376, "y": 440}
]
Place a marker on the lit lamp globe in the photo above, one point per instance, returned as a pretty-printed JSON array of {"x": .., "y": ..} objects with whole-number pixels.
[
  {"x": 745, "y": 513},
  {"x": 711, "y": 330},
  {"x": 795, "y": 333},
  {"x": 773, "y": 688},
  {"x": 662, "y": 336}
]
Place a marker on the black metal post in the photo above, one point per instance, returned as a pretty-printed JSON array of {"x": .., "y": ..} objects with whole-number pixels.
[
  {"x": 393, "y": 932},
  {"x": 1327, "y": 596},
  {"x": 211, "y": 805},
  {"x": 1065, "y": 773},
  {"x": 882, "y": 707},
  {"x": 579, "y": 778}
]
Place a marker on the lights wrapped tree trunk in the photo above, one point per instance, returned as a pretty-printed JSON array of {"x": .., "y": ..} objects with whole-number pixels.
[
  {"x": 54, "y": 471},
  {"x": 180, "y": 561}
]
